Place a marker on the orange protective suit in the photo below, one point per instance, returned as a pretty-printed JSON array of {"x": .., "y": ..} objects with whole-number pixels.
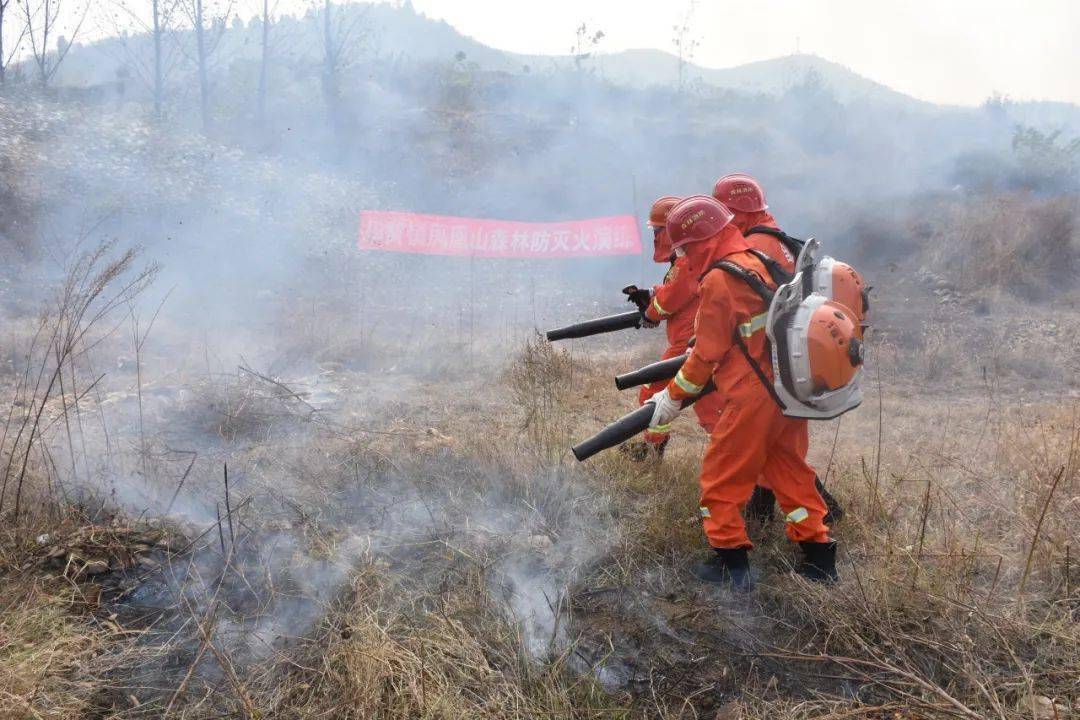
[
  {"x": 752, "y": 437},
  {"x": 675, "y": 302},
  {"x": 779, "y": 252}
]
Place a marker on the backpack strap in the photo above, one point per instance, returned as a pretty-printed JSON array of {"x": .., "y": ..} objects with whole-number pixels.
[
  {"x": 758, "y": 285},
  {"x": 758, "y": 371},
  {"x": 779, "y": 275},
  {"x": 750, "y": 277},
  {"x": 793, "y": 244}
]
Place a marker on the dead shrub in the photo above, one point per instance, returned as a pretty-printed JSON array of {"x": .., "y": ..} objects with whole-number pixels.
[
  {"x": 539, "y": 382},
  {"x": 1014, "y": 243},
  {"x": 540, "y": 377},
  {"x": 451, "y": 656},
  {"x": 244, "y": 406}
]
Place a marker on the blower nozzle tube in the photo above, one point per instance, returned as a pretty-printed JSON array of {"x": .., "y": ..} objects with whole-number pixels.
[
  {"x": 617, "y": 432},
  {"x": 597, "y": 326},
  {"x": 660, "y": 370},
  {"x": 625, "y": 428}
]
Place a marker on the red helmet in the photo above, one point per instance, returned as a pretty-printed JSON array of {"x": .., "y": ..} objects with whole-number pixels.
[
  {"x": 696, "y": 218},
  {"x": 657, "y": 219},
  {"x": 660, "y": 209},
  {"x": 740, "y": 193}
]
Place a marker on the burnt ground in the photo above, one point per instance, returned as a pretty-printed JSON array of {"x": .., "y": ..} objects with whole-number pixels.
[{"x": 457, "y": 484}]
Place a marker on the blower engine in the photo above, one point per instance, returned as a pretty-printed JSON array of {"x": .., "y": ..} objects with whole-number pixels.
[
  {"x": 816, "y": 338},
  {"x": 839, "y": 281}
]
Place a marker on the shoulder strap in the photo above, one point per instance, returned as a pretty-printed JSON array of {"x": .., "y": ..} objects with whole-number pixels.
[
  {"x": 750, "y": 277},
  {"x": 758, "y": 371},
  {"x": 776, "y": 271},
  {"x": 793, "y": 244}
]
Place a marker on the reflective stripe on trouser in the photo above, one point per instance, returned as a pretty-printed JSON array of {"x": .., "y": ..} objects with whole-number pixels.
[
  {"x": 658, "y": 434},
  {"x": 753, "y": 438}
]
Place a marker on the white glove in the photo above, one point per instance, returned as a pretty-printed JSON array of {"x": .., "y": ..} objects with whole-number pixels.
[{"x": 666, "y": 410}]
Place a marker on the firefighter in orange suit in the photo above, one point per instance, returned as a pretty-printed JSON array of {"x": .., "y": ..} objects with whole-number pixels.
[
  {"x": 752, "y": 437},
  {"x": 745, "y": 198},
  {"x": 674, "y": 303}
]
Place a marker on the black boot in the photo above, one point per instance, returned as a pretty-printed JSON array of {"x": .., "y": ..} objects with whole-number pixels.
[
  {"x": 818, "y": 562},
  {"x": 835, "y": 513},
  {"x": 727, "y": 566},
  {"x": 761, "y": 507}
]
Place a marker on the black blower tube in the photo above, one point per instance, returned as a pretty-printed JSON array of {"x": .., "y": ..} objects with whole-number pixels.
[
  {"x": 659, "y": 370},
  {"x": 625, "y": 428},
  {"x": 606, "y": 324}
]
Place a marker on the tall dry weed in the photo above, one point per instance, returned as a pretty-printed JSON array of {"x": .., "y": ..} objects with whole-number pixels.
[{"x": 1016, "y": 244}]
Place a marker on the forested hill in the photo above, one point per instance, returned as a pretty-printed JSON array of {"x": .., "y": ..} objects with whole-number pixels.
[{"x": 424, "y": 118}]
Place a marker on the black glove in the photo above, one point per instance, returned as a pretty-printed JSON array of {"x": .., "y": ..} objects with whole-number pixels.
[{"x": 639, "y": 297}]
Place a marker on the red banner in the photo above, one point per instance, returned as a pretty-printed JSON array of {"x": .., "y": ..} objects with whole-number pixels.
[{"x": 441, "y": 235}]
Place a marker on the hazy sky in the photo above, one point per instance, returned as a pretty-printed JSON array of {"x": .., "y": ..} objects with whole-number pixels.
[
  {"x": 947, "y": 51},
  {"x": 957, "y": 51}
]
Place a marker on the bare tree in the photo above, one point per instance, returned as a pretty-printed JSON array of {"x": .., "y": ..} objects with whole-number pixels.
[
  {"x": 264, "y": 60},
  {"x": 201, "y": 50},
  {"x": 5, "y": 59},
  {"x": 206, "y": 44},
  {"x": 331, "y": 52},
  {"x": 154, "y": 73},
  {"x": 159, "y": 79},
  {"x": 686, "y": 41},
  {"x": 341, "y": 31},
  {"x": 43, "y": 18}
]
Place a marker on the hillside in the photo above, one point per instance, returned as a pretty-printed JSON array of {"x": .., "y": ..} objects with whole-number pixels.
[
  {"x": 769, "y": 77},
  {"x": 386, "y": 33},
  {"x": 250, "y": 470},
  {"x": 330, "y": 483},
  {"x": 398, "y": 34}
]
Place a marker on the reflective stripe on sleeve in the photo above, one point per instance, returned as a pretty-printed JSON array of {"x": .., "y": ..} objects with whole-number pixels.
[
  {"x": 686, "y": 385},
  {"x": 661, "y": 429},
  {"x": 656, "y": 306},
  {"x": 756, "y": 323}
]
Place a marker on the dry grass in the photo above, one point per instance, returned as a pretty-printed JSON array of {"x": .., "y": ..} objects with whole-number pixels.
[
  {"x": 957, "y": 600},
  {"x": 1008, "y": 244},
  {"x": 540, "y": 383},
  {"x": 391, "y": 652},
  {"x": 42, "y": 649},
  {"x": 440, "y": 555},
  {"x": 247, "y": 406},
  {"x": 58, "y": 647}
]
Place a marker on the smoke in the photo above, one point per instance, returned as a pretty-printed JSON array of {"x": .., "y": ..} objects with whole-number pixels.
[
  {"x": 287, "y": 354},
  {"x": 535, "y": 530}
]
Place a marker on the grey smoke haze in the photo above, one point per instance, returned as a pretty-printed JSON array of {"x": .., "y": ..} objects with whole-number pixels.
[
  {"x": 255, "y": 224},
  {"x": 255, "y": 228}
]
